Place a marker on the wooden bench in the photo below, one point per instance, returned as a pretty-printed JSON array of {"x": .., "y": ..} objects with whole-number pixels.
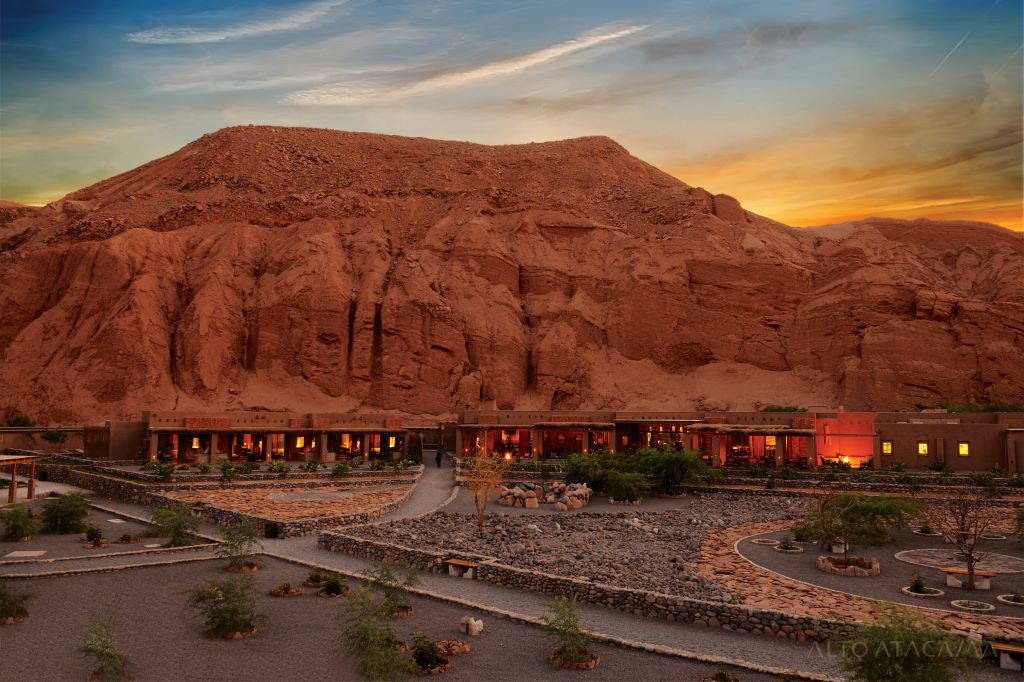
[
  {"x": 460, "y": 568},
  {"x": 982, "y": 579},
  {"x": 1011, "y": 656}
]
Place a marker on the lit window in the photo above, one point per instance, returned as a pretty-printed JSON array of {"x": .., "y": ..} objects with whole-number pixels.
[
  {"x": 922, "y": 447},
  {"x": 964, "y": 449},
  {"x": 769, "y": 441},
  {"x": 195, "y": 442},
  {"x": 886, "y": 447},
  {"x": 391, "y": 442},
  {"x": 300, "y": 441}
]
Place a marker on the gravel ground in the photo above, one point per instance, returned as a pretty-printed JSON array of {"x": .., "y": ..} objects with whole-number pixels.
[
  {"x": 463, "y": 504},
  {"x": 647, "y": 550},
  {"x": 165, "y": 642},
  {"x": 70, "y": 545},
  {"x": 895, "y": 573}
]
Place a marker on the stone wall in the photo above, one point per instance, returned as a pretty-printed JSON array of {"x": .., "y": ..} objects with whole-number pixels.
[{"x": 674, "y": 608}]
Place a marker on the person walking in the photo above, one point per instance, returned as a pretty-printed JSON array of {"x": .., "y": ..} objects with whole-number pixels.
[{"x": 438, "y": 456}]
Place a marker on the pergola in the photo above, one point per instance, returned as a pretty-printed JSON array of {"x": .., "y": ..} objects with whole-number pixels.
[{"x": 13, "y": 461}]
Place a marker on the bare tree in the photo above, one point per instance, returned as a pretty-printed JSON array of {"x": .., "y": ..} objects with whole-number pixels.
[
  {"x": 483, "y": 476},
  {"x": 963, "y": 519}
]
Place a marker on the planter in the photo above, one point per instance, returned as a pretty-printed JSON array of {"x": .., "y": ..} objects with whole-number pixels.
[
  {"x": 972, "y": 606},
  {"x": 344, "y": 593},
  {"x": 556, "y": 660},
  {"x": 11, "y": 620},
  {"x": 993, "y": 536},
  {"x": 764, "y": 541},
  {"x": 453, "y": 647},
  {"x": 929, "y": 593},
  {"x": 932, "y": 534},
  {"x": 246, "y": 567},
  {"x": 93, "y": 545},
  {"x": 280, "y": 591},
  {"x": 790, "y": 550},
  {"x": 436, "y": 670},
  {"x": 1008, "y": 600},
  {"x": 855, "y": 566}
]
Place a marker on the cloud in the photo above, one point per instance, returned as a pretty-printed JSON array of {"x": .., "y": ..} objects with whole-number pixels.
[
  {"x": 361, "y": 92},
  {"x": 184, "y": 35}
]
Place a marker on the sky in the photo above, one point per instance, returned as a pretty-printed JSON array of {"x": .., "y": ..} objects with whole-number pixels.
[{"x": 808, "y": 111}]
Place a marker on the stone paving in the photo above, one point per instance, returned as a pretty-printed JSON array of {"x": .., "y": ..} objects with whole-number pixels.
[
  {"x": 937, "y": 558},
  {"x": 767, "y": 589},
  {"x": 278, "y": 505}
]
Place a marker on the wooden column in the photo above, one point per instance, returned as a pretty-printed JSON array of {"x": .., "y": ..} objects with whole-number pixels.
[
  {"x": 12, "y": 493},
  {"x": 154, "y": 440},
  {"x": 586, "y": 440},
  {"x": 266, "y": 447},
  {"x": 325, "y": 454},
  {"x": 812, "y": 452},
  {"x": 32, "y": 480},
  {"x": 716, "y": 450}
]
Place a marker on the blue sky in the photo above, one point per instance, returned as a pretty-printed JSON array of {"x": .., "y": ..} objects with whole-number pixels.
[{"x": 808, "y": 111}]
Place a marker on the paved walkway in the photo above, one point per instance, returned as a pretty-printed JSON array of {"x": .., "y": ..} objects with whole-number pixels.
[{"x": 435, "y": 489}]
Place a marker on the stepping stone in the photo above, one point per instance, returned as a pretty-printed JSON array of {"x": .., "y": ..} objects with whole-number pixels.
[
  {"x": 154, "y": 545},
  {"x": 115, "y": 520},
  {"x": 25, "y": 553}
]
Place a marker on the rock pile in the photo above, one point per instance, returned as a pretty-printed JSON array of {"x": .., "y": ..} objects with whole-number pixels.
[{"x": 530, "y": 495}]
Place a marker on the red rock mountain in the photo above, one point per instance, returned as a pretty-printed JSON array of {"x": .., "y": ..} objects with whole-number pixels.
[{"x": 329, "y": 271}]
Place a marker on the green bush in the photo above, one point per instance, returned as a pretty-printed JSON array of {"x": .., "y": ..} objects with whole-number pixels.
[
  {"x": 366, "y": 637},
  {"x": 164, "y": 472},
  {"x": 585, "y": 468},
  {"x": 94, "y": 535},
  {"x": 311, "y": 467},
  {"x": 247, "y": 467},
  {"x": 341, "y": 470},
  {"x": 227, "y": 606},
  {"x": 12, "y": 605},
  {"x": 177, "y": 524},
  {"x": 625, "y": 487},
  {"x": 110, "y": 664},
  {"x": 17, "y": 419},
  {"x": 905, "y": 646},
  {"x": 18, "y": 522},
  {"x": 917, "y": 585},
  {"x": 854, "y": 518},
  {"x": 393, "y": 585},
  {"x": 240, "y": 544},
  {"x": 897, "y": 467},
  {"x": 150, "y": 465},
  {"x": 54, "y": 437},
  {"x": 279, "y": 468},
  {"x": 228, "y": 470},
  {"x": 802, "y": 533},
  {"x": 425, "y": 653},
  {"x": 670, "y": 469},
  {"x": 66, "y": 513},
  {"x": 377, "y": 465},
  {"x": 788, "y": 474},
  {"x": 333, "y": 585},
  {"x": 565, "y": 626},
  {"x": 204, "y": 468}
]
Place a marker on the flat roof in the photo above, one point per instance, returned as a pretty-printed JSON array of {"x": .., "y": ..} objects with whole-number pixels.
[
  {"x": 7, "y": 459},
  {"x": 766, "y": 429}
]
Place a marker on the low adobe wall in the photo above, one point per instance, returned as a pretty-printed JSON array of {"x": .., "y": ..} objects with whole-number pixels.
[{"x": 675, "y": 608}]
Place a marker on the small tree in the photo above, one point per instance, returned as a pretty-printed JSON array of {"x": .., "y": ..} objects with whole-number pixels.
[
  {"x": 66, "y": 513},
  {"x": 670, "y": 468},
  {"x": 18, "y": 523},
  {"x": 394, "y": 586},
  {"x": 964, "y": 518},
  {"x": 367, "y": 637},
  {"x": 55, "y": 437},
  {"x": 16, "y": 419},
  {"x": 483, "y": 476},
  {"x": 227, "y": 606},
  {"x": 240, "y": 545},
  {"x": 110, "y": 664},
  {"x": 906, "y": 646},
  {"x": 12, "y": 605},
  {"x": 565, "y": 626},
  {"x": 177, "y": 524},
  {"x": 228, "y": 470},
  {"x": 853, "y": 518}
]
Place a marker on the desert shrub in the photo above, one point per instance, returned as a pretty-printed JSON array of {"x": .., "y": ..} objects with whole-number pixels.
[
  {"x": 12, "y": 605},
  {"x": 803, "y": 533},
  {"x": 1015, "y": 481},
  {"x": 625, "y": 487},
  {"x": 20, "y": 420},
  {"x": 341, "y": 470},
  {"x": 332, "y": 584},
  {"x": 149, "y": 465},
  {"x": 93, "y": 534},
  {"x": 248, "y": 467},
  {"x": 854, "y": 518},
  {"x": 585, "y": 468},
  {"x": 164, "y": 472},
  {"x": 311, "y": 467},
  {"x": 565, "y": 625},
  {"x": 54, "y": 437},
  {"x": 177, "y": 524},
  {"x": 366, "y": 636},
  {"x": 279, "y": 468},
  {"x": 939, "y": 465},
  {"x": 669, "y": 469},
  {"x": 377, "y": 465},
  {"x": 758, "y": 470},
  {"x": 126, "y": 538},
  {"x": 228, "y": 470},
  {"x": 18, "y": 522},
  {"x": 917, "y": 585},
  {"x": 66, "y": 513},
  {"x": 905, "y": 646},
  {"x": 830, "y": 476},
  {"x": 316, "y": 576},
  {"x": 393, "y": 585},
  {"x": 983, "y": 480},
  {"x": 227, "y": 606},
  {"x": 788, "y": 474},
  {"x": 897, "y": 467},
  {"x": 425, "y": 653},
  {"x": 904, "y": 479},
  {"x": 109, "y": 664},
  {"x": 204, "y": 468},
  {"x": 240, "y": 544}
]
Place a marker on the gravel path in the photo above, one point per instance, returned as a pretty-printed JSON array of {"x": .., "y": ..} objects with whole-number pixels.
[
  {"x": 60, "y": 546},
  {"x": 433, "y": 491},
  {"x": 164, "y": 641},
  {"x": 895, "y": 573}
]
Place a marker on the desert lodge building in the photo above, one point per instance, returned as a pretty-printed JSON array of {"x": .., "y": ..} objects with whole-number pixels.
[{"x": 974, "y": 441}]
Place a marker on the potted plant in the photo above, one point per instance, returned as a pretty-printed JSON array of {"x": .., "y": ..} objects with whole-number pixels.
[
  {"x": 12, "y": 606},
  {"x": 18, "y": 523},
  {"x": 917, "y": 588},
  {"x": 286, "y": 590},
  {"x": 1014, "y": 599},
  {"x": 572, "y": 640},
  {"x": 228, "y": 607},
  {"x": 110, "y": 665},
  {"x": 427, "y": 658},
  {"x": 787, "y": 546}
]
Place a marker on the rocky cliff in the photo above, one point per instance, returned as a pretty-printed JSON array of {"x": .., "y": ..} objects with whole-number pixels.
[{"x": 329, "y": 271}]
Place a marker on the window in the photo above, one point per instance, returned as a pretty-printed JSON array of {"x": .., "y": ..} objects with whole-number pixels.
[
  {"x": 886, "y": 447},
  {"x": 964, "y": 448},
  {"x": 922, "y": 447},
  {"x": 300, "y": 441}
]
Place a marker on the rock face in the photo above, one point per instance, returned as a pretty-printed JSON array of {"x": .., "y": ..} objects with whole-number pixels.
[{"x": 328, "y": 271}]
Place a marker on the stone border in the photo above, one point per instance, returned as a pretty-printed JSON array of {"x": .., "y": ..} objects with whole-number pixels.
[
  {"x": 964, "y": 605},
  {"x": 860, "y": 567},
  {"x": 931, "y": 593},
  {"x": 85, "y": 557},
  {"x": 1006, "y": 599},
  {"x": 106, "y": 569}
]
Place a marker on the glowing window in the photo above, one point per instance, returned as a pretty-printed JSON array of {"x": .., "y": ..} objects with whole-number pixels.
[
  {"x": 195, "y": 442},
  {"x": 964, "y": 449},
  {"x": 300, "y": 441},
  {"x": 391, "y": 442},
  {"x": 886, "y": 447},
  {"x": 922, "y": 447},
  {"x": 769, "y": 441}
]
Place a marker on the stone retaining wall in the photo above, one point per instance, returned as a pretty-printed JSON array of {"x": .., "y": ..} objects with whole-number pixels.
[{"x": 735, "y": 617}]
